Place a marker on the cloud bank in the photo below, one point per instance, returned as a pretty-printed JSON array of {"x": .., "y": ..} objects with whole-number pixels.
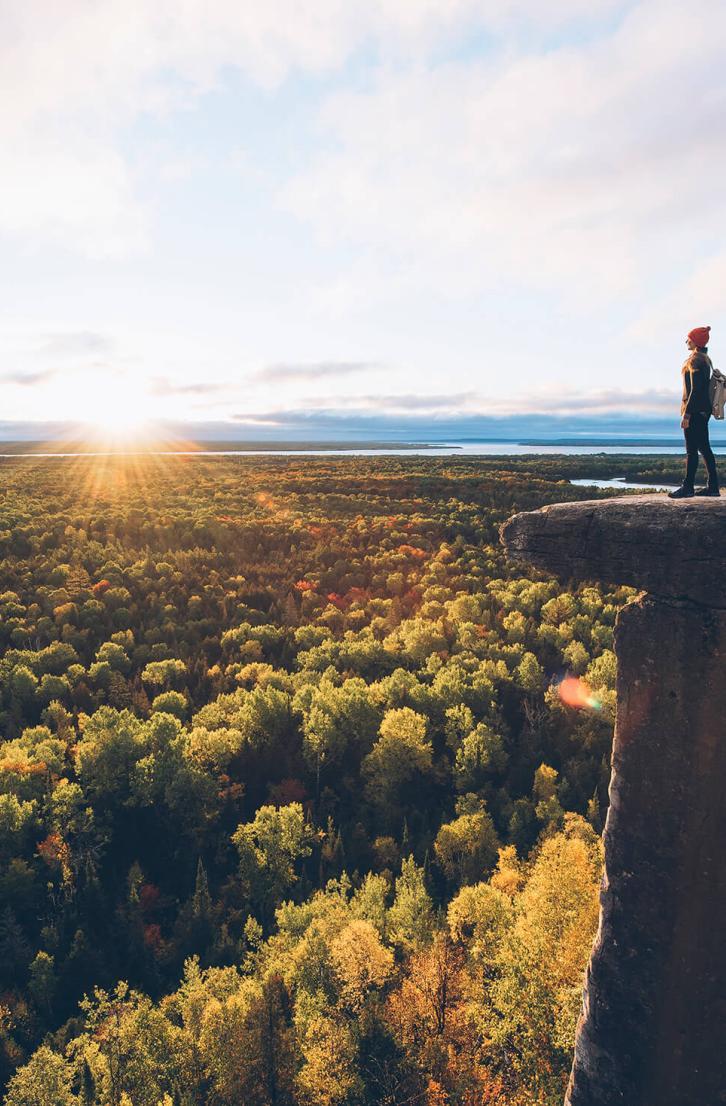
[
  {"x": 546, "y": 158},
  {"x": 463, "y": 199}
]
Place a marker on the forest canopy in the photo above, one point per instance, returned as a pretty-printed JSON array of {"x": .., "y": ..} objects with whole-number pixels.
[{"x": 291, "y": 810}]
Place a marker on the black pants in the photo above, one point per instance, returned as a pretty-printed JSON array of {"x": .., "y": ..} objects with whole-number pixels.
[{"x": 697, "y": 442}]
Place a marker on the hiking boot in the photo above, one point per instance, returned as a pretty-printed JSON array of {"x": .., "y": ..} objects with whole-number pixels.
[
  {"x": 684, "y": 492},
  {"x": 708, "y": 491}
]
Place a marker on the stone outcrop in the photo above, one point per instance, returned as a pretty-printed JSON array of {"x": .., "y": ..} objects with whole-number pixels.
[
  {"x": 653, "y": 1026},
  {"x": 667, "y": 547}
]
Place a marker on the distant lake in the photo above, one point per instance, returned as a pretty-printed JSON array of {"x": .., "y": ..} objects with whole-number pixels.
[
  {"x": 431, "y": 448},
  {"x": 617, "y": 482}
]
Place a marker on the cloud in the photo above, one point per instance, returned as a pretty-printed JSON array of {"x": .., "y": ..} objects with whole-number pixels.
[
  {"x": 457, "y": 161},
  {"x": 356, "y": 425},
  {"x": 166, "y": 386},
  {"x": 617, "y": 416},
  {"x": 433, "y": 403},
  {"x": 530, "y": 161},
  {"x": 74, "y": 76},
  {"x": 70, "y": 194},
  {"x": 651, "y": 403},
  {"x": 310, "y": 372},
  {"x": 694, "y": 299},
  {"x": 27, "y": 379},
  {"x": 25, "y": 430},
  {"x": 583, "y": 169},
  {"x": 75, "y": 344}
]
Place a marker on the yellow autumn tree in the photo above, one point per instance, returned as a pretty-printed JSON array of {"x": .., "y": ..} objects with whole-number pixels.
[
  {"x": 536, "y": 996},
  {"x": 361, "y": 963}
]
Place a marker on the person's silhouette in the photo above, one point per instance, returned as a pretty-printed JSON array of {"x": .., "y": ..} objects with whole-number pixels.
[{"x": 695, "y": 413}]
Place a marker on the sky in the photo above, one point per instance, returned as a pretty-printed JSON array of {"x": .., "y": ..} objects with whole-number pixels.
[{"x": 349, "y": 217}]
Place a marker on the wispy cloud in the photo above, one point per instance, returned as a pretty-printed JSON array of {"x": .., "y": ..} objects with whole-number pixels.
[
  {"x": 27, "y": 430},
  {"x": 27, "y": 379},
  {"x": 76, "y": 344},
  {"x": 310, "y": 372},
  {"x": 67, "y": 176},
  {"x": 497, "y": 193},
  {"x": 357, "y": 425},
  {"x": 649, "y": 403},
  {"x": 566, "y": 169},
  {"x": 444, "y": 402},
  {"x": 166, "y": 386}
]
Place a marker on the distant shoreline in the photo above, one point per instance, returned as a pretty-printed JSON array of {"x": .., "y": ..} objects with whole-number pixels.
[
  {"x": 655, "y": 442},
  {"x": 461, "y": 448},
  {"x": 66, "y": 449}
]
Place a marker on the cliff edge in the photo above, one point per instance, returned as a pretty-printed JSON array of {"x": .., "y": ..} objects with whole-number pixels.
[{"x": 653, "y": 1026}]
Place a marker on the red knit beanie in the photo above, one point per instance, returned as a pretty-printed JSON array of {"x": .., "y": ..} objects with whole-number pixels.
[{"x": 700, "y": 335}]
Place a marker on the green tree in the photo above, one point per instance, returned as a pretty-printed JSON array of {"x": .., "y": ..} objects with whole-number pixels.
[
  {"x": 270, "y": 848},
  {"x": 111, "y": 744},
  {"x": 481, "y": 755},
  {"x": 43, "y": 982},
  {"x": 530, "y": 674},
  {"x": 411, "y": 917},
  {"x": 401, "y": 756},
  {"x": 168, "y": 674},
  {"x": 466, "y": 849}
]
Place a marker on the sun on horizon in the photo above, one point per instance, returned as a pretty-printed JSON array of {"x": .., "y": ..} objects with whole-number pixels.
[{"x": 113, "y": 410}]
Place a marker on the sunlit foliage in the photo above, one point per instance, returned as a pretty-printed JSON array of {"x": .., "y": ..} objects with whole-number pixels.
[{"x": 281, "y": 749}]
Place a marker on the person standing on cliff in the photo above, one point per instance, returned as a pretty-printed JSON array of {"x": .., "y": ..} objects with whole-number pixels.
[{"x": 695, "y": 413}]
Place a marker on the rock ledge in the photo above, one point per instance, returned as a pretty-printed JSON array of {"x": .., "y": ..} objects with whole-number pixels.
[
  {"x": 668, "y": 547},
  {"x": 653, "y": 1026}
]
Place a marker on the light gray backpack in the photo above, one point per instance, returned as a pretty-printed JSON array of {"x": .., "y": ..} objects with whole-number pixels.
[{"x": 717, "y": 393}]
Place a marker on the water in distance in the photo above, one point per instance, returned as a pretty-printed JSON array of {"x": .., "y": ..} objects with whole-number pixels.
[
  {"x": 620, "y": 482},
  {"x": 431, "y": 448}
]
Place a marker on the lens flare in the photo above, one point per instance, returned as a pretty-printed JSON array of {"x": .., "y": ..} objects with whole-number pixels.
[{"x": 575, "y": 693}]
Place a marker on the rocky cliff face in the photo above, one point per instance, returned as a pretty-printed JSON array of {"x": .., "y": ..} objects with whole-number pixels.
[{"x": 653, "y": 1026}]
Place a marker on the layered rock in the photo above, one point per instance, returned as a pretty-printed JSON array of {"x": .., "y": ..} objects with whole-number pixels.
[
  {"x": 667, "y": 547},
  {"x": 653, "y": 1027}
]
